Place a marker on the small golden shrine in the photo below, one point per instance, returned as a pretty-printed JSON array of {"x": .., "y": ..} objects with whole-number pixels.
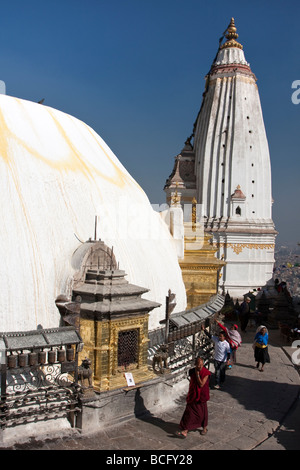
[{"x": 112, "y": 319}]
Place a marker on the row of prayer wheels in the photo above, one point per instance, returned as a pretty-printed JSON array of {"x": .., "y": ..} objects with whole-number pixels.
[
  {"x": 184, "y": 331},
  {"x": 41, "y": 357}
]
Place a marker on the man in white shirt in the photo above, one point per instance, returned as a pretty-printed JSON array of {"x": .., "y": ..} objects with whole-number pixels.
[{"x": 222, "y": 353}]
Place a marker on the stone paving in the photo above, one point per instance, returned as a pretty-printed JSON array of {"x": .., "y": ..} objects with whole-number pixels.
[{"x": 253, "y": 410}]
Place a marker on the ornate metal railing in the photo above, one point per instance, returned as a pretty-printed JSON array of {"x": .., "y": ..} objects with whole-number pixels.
[
  {"x": 42, "y": 403},
  {"x": 182, "y": 336},
  {"x": 182, "y": 352}
]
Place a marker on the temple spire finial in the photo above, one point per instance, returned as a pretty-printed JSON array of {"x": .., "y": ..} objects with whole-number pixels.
[
  {"x": 231, "y": 36},
  {"x": 231, "y": 30}
]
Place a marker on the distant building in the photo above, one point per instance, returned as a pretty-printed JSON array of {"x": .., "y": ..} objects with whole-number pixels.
[{"x": 225, "y": 167}]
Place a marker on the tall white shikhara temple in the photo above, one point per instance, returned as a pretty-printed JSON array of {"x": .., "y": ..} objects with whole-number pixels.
[{"x": 225, "y": 166}]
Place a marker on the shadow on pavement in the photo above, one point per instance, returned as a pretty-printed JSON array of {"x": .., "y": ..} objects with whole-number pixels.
[
  {"x": 288, "y": 435},
  {"x": 142, "y": 413},
  {"x": 261, "y": 396},
  {"x": 267, "y": 397}
]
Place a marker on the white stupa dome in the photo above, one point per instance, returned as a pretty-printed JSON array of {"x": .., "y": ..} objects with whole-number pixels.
[{"x": 56, "y": 175}]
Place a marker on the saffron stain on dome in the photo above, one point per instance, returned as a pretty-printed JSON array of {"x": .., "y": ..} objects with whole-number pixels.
[{"x": 76, "y": 153}]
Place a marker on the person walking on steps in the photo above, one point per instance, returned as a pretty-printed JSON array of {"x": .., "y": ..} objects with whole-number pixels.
[
  {"x": 234, "y": 339},
  {"x": 221, "y": 356},
  {"x": 244, "y": 313},
  {"x": 261, "y": 353}
]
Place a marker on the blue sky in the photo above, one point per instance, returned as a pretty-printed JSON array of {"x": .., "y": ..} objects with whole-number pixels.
[{"x": 134, "y": 71}]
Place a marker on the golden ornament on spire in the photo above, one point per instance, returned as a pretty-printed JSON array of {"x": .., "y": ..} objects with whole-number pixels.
[
  {"x": 231, "y": 36},
  {"x": 194, "y": 214},
  {"x": 175, "y": 198}
]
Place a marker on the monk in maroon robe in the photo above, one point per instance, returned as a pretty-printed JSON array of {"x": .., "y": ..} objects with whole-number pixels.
[{"x": 195, "y": 414}]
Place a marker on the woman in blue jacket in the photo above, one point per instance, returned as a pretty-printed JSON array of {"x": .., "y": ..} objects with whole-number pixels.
[{"x": 261, "y": 353}]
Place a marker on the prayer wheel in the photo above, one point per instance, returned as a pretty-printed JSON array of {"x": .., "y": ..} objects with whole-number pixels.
[
  {"x": 51, "y": 356},
  {"x": 70, "y": 353},
  {"x": 61, "y": 355},
  {"x": 12, "y": 361},
  {"x": 22, "y": 359},
  {"x": 42, "y": 357},
  {"x": 33, "y": 359}
]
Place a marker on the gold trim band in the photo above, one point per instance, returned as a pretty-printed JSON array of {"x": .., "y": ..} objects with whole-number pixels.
[{"x": 238, "y": 247}]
